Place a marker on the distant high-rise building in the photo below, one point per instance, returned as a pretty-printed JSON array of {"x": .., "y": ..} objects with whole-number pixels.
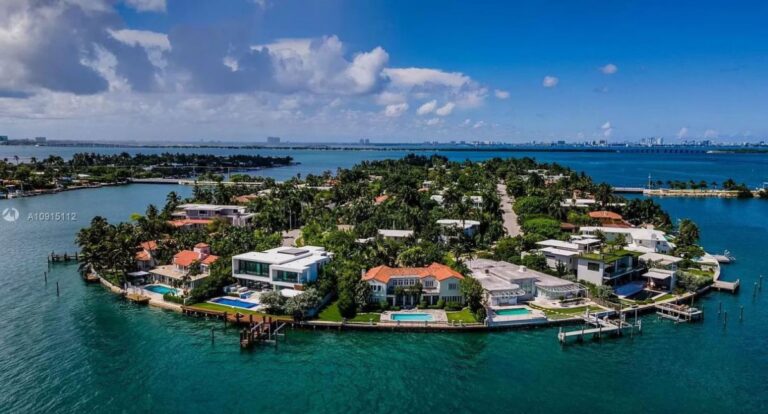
[
  {"x": 40, "y": 140},
  {"x": 3, "y": 139},
  {"x": 273, "y": 140},
  {"x": 365, "y": 141}
]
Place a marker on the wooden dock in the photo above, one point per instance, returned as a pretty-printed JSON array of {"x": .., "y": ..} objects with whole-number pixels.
[
  {"x": 63, "y": 257},
  {"x": 731, "y": 287},
  {"x": 596, "y": 327},
  {"x": 137, "y": 298},
  {"x": 679, "y": 313},
  {"x": 89, "y": 277}
]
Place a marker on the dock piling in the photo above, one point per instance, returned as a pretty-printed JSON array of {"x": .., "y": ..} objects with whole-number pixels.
[
  {"x": 760, "y": 284},
  {"x": 212, "y": 335},
  {"x": 725, "y": 319},
  {"x": 58, "y": 293},
  {"x": 741, "y": 313},
  {"x": 45, "y": 275}
]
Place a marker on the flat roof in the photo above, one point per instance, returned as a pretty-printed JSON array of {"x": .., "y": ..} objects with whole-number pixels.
[
  {"x": 558, "y": 244},
  {"x": 282, "y": 255},
  {"x": 559, "y": 252},
  {"x": 659, "y": 274},
  {"x": 209, "y": 207},
  {"x": 458, "y": 223},
  {"x": 663, "y": 259},
  {"x": 395, "y": 233}
]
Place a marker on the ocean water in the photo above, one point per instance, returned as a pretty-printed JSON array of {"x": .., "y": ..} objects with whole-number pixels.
[
  {"x": 617, "y": 168},
  {"x": 88, "y": 351}
]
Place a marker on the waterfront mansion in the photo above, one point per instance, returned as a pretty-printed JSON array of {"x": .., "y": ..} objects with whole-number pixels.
[
  {"x": 438, "y": 281},
  {"x": 279, "y": 268},
  {"x": 198, "y": 215}
]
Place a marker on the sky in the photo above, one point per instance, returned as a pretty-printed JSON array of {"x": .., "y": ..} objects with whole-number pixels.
[{"x": 389, "y": 71}]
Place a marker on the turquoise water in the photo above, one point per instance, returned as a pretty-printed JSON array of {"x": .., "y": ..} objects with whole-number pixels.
[
  {"x": 411, "y": 317},
  {"x": 89, "y": 351},
  {"x": 513, "y": 312},
  {"x": 160, "y": 289},
  {"x": 234, "y": 303}
]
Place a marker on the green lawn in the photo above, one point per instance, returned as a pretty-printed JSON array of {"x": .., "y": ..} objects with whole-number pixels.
[
  {"x": 565, "y": 313},
  {"x": 609, "y": 257},
  {"x": 665, "y": 297},
  {"x": 221, "y": 308},
  {"x": 331, "y": 313},
  {"x": 463, "y": 315}
]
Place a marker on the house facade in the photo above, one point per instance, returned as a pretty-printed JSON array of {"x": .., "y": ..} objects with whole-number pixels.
[
  {"x": 145, "y": 256},
  {"x": 438, "y": 282},
  {"x": 611, "y": 269},
  {"x": 280, "y": 268},
  {"x": 201, "y": 214},
  {"x": 638, "y": 239},
  {"x": 188, "y": 268}
]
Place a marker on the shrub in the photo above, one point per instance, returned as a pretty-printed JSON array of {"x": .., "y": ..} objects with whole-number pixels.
[
  {"x": 453, "y": 306},
  {"x": 346, "y": 304},
  {"x": 480, "y": 314},
  {"x": 423, "y": 304},
  {"x": 441, "y": 304},
  {"x": 383, "y": 304},
  {"x": 169, "y": 297},
  {"x": 395, "y": 308}
]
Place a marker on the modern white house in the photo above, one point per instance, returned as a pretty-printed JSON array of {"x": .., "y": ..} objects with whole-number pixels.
[
  {"x": 280, "y": 268},
  {"x": 566, "y": 253},
  {"x": 395, "y": 234},
  {"x": 198, "y": 213},
  {"x": 452, "y": 228},
  {"x": 610, "y": 268},
  {"x": 438, "y": 282},
  {"x": 638, "y": 239},
  {"x": 662, "y": 271},
  {"x": 510, "y": 284}
]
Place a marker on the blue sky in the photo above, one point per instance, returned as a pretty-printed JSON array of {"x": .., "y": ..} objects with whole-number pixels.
[{"x": 240, "y": 70}]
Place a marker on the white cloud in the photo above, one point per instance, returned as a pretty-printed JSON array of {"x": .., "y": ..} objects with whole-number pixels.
[
  {"x": 388, "y": 98},
  {"x": 434, "y": 121},
  {"x": 410, "y": 77},
  {"x": 143, "y": 38},
  {"x": 147, "y": 5},
  {"x": 607, "y": 129},
  {"x": 446, "y": 109},
  {"x": 550, "y": 81},
  {"x": 682, "y": 133},
  {"x": 395, "y": 110},
  {"x": 500, "y": 94},
  {"x": 711, "y": 133},
  {"x": 606, "y": 125},
  {"x": 479, "y": 124},
  {"x": 427, "y": 108},
  {"x": 609, "y": 69}
]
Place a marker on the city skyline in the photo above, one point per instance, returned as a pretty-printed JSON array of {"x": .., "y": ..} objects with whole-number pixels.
[{"x": 336, "y": 71}]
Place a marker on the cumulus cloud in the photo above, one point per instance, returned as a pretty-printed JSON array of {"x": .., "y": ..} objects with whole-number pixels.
[
  {"x": 446, "y": 109},
  {"x": 682, "y": 133},
  {"x": 607, "y": 129},
  {"x": 388, "y": 98},
  {"x": 609, "y": 69},
  {"x": 411, "y": 77},
  {"x": 711, "y": 133},
  {"x": 395, "y": 110},
  {"x": 434, "y": 121},
  {"x": 500, "y": 94},
  {"x": 550, "y": 81},
  {"x": 478, "y": 124},
  {"x": 427, "y": 108},
  {"x": 147, "y": 5}
]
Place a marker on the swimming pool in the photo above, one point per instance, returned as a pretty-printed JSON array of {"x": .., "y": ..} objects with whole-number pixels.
[
  {"x": 411, "y": 317},
  {"x": 513, "y": 312},
  {"x": 161, "y": 289},
  {"x": 235, "y": 303}
]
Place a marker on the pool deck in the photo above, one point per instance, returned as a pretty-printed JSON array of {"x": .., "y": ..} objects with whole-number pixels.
[
  {"x": 533, "y": 317},
  {"x": 438, "y": 317}
]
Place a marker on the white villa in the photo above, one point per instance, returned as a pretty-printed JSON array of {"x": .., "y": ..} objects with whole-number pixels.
[
  {"x": 438, "y": 281},
  {"x": 567, "y": 253},
  {"x": 201, "y": 214},
  {"x": 638, "y": 239},
  {"x": 395, "y": 234},
  {"x": 662, "y": 270},
  {"x": 612, "y": 269},
  {"x": 280, "y": 268},
  {"x": 509, "y": 284},
  {"x": 180, "y": 273},
  {"x": 451, "y": 228}
]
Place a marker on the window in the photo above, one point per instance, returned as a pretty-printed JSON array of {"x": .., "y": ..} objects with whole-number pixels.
[
  {"x": 453, "y": 286},
  {"x": 594, "y": 267},
  {"x": 253, "y": 268},
  {"x": 284, "y": 276},
  {"x": 429, "y": 283}
]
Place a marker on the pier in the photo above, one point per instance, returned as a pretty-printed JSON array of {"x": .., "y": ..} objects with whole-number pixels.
[
  {"x": 63, "y": 257},
  {"x": 679, "y": 313},
  {"x": 597, "y": 327},
  {"x": 731, "y": 287}
]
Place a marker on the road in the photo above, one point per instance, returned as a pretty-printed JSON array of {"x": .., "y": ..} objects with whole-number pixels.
[{"x": 508, "y": 215}]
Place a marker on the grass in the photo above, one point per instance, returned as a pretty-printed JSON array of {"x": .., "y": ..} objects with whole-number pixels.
[
  {"x": 221, "y": 308},
  {"x": 699, "y": 272},
  {"x": 665, "y": 297},
  {"x": 608, "y": 257},
  {"x": 331, "y": 313},
  {"x": 463, "y": 315},
  {"x": 558, "y": 313}
]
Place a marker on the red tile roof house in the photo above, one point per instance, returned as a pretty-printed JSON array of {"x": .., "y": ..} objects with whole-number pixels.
[
  {"x": 145, "y": 256},
  {"x": 176, "y": 274},
  {"x": 438, "y": 282}
]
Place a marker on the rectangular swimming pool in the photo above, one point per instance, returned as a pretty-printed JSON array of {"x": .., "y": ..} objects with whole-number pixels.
[
  {"x": 235, "y": 303},
  {"x": 411, "y": 317},
  {"x": 513, "y": 312},
  {"x": 161, "y": 289}
]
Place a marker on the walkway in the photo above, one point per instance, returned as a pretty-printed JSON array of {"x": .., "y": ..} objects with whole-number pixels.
[{"x": 508, "y": 215}]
